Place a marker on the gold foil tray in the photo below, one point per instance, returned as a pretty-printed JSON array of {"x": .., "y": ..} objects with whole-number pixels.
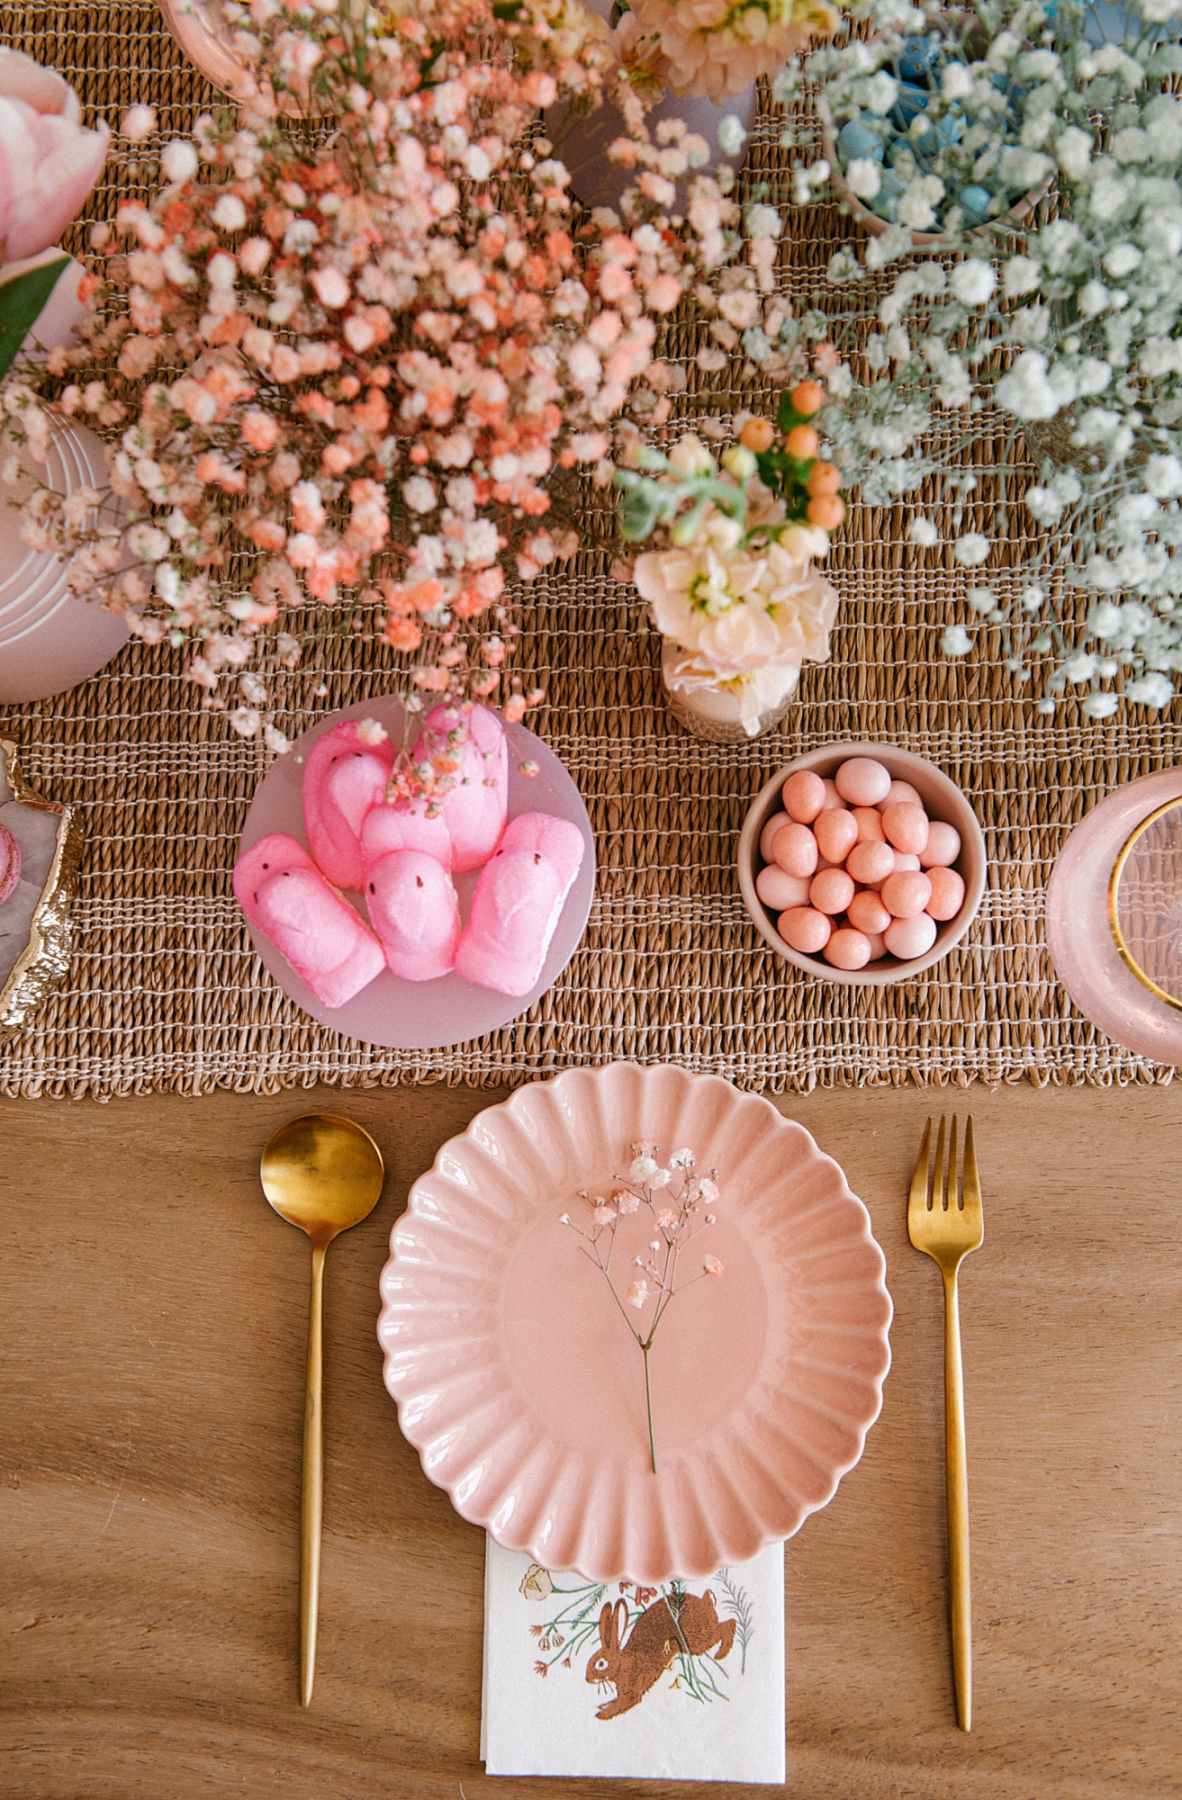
[{"x": 45, "y": 960}]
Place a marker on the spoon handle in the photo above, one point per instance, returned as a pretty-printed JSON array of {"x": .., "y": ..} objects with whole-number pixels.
[{"x": 312, "y": 1492}]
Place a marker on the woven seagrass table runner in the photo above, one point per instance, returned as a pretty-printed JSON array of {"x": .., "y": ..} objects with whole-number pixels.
[{"x": 165, "y": 991}]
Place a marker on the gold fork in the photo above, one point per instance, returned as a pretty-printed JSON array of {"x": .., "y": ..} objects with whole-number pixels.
[{"x": 947, "y": 1229}]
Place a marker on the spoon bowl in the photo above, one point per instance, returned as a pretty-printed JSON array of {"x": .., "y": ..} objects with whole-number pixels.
[{"x": 324, "y": 1174}]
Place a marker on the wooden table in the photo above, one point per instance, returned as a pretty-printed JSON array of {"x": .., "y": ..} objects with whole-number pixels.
[{"x": 154, "y": 1315}]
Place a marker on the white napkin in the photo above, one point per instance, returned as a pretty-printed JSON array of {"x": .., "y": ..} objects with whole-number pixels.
[{"x": 689, "y": 1716}]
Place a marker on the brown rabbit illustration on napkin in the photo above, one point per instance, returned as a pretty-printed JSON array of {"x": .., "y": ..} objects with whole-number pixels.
[{"x": 686, "y": 1623}]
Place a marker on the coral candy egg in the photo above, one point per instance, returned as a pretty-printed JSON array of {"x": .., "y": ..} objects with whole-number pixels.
[
  {"x": 795, "y": 849},
  {"x": 848, "y": 949},
  {"x": 867, "y": 913},
  {"x": 900, "y": 793},
  {"x": 870, "y": 829},
  {"x": 778, "y": 890},
  {"x": 942, "y": 847},
  {"x": 768, "y": 833},
  {"x": 904, "y": 861},
  {"x": 947, "y": 893},
  {"x": 906, "y": 894},
  {"x": 833, "y": 799},
  {"x": 831, "y": 891},
  {"x": 906, "y": 938},
  {"x": 877, "y": 944},
  {"x": 862, "y": 781},
  {"x": 837, "y": 833},
  {"x": 871, "y": 862},
  {"x": 804, "y": 796},
  {"x": 906, "y": 827},
  {"x": 804, "y": 929}
]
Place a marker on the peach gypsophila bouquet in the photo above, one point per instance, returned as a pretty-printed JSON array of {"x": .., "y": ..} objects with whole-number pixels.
[{"x": 341, "y": 370}]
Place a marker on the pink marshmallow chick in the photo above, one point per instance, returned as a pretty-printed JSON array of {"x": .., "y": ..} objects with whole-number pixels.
[
  {"x": 414, "y": 910},
  {"x": 942, "y": 847},
  {"x": 475, "y": 807},
  {"x": 283, "y": 893},
  {"x": 344, "y": 777},
  {"x": 558, "y": 839},
  {"x": 10, "y": 863},
  {"x": 403, "y": 825},
  {"x": 947, "y": 893},
  {"x": 514, "y": 911},
  {"x": 779, "y": 891}
]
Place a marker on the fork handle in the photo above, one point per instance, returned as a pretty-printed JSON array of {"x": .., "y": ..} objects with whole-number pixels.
[{"x": 956, "y": 1479}]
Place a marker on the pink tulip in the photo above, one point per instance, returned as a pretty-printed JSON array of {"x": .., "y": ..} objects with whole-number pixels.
[{"x": 48, "y": 161}]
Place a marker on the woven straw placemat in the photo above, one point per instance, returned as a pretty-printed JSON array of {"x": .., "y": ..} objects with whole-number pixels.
[{"x": 165, "y": 991}]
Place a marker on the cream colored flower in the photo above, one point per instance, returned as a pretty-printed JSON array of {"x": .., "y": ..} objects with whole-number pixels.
[
  {"x": 536, "y": 1583},
  {"x": 721, "y": 47}
]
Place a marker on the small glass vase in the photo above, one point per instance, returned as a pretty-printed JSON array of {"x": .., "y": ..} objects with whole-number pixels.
[{"x": 712, "y": 710}]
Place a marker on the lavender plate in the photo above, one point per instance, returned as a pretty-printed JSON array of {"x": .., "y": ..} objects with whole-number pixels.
[{"x": 425, "y": 1015}]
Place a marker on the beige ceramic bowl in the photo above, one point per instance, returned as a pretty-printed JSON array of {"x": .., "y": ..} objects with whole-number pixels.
[{"x": 942, "y": 799}]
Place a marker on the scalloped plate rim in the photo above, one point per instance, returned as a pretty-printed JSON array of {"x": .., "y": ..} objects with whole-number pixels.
[{"x": 422, "y": 1440}]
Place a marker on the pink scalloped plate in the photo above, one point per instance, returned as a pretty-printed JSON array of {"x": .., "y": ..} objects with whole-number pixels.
[{"x": 522, "y": 1390}]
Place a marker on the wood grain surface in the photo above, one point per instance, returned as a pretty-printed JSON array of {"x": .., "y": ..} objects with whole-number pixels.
[{"x": 152, "y": 1352}]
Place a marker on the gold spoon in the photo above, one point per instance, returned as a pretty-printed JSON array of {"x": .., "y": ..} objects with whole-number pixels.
[{"x": 324, "y": 1174}]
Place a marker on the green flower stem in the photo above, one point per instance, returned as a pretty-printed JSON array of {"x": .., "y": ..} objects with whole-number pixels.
[{"x": 648, "y": 1395}]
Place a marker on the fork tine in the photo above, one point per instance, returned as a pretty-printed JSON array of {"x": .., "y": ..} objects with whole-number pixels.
[
  {"x": 953, "y": 1178},
  {"x": 918, "y": 1201},
  {"x": 972, "y": 1186},
  {"x": 938, "y": 1197}
]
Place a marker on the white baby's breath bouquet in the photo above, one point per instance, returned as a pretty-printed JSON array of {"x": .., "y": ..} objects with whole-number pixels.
[{"x": 1041, "y": 147}]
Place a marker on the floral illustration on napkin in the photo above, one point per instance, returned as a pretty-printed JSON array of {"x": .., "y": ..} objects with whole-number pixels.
[{"x": 646, "y": 1632}]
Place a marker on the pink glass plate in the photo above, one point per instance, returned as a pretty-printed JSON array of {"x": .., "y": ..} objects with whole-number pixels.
[
  {"x": 426, "y": 1015},
  {"x": 1080, "y": 937},
  {"x": 523, "y": 1392}
]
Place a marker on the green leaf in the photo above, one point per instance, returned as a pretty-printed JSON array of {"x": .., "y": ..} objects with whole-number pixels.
[{"x": 22, "y": 301}]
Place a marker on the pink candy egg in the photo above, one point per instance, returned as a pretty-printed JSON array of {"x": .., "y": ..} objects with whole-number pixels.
[
  {"x": 906, "y": 894},
  {"x": 768, "y": 833},
  {"x": 903, "y": 861},
  {"x": 778, "y": 890},
  {"x": 871, "y": 862},
  {"x": 947, "y": 893},
  {"x": 870, "y": 829},
  {"x": 868, "y": 914},
  {"x": 900, "y": 793},
  {"x": 942, "y": 847},
  {"x": 848, "y": 949},
  {"x": 804, "y": 796},
  {"x": 877, "y": 944},
  {"x": 906, "y": 938},
  {"x": 906, "y": 827},
  {"x": 804, "y": 929},
  {"x": 794, "y": 848},
  {"x": 831, "y": 891},
  {"x": 832, "y": 798},
  {"x": 837, "y": 833},
  {"x": 862, "y": 781}
]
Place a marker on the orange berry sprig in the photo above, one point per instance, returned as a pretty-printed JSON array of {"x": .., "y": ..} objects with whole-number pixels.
[{"x": 790, "y": 464}]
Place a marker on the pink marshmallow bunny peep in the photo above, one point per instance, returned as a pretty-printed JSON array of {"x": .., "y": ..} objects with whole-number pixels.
[
  {"x": 283, "y": 893},
  {"x": 475, "y": 807},
  {"x": 414, "y": 910},
  {"x": 344, "y": 779}
]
